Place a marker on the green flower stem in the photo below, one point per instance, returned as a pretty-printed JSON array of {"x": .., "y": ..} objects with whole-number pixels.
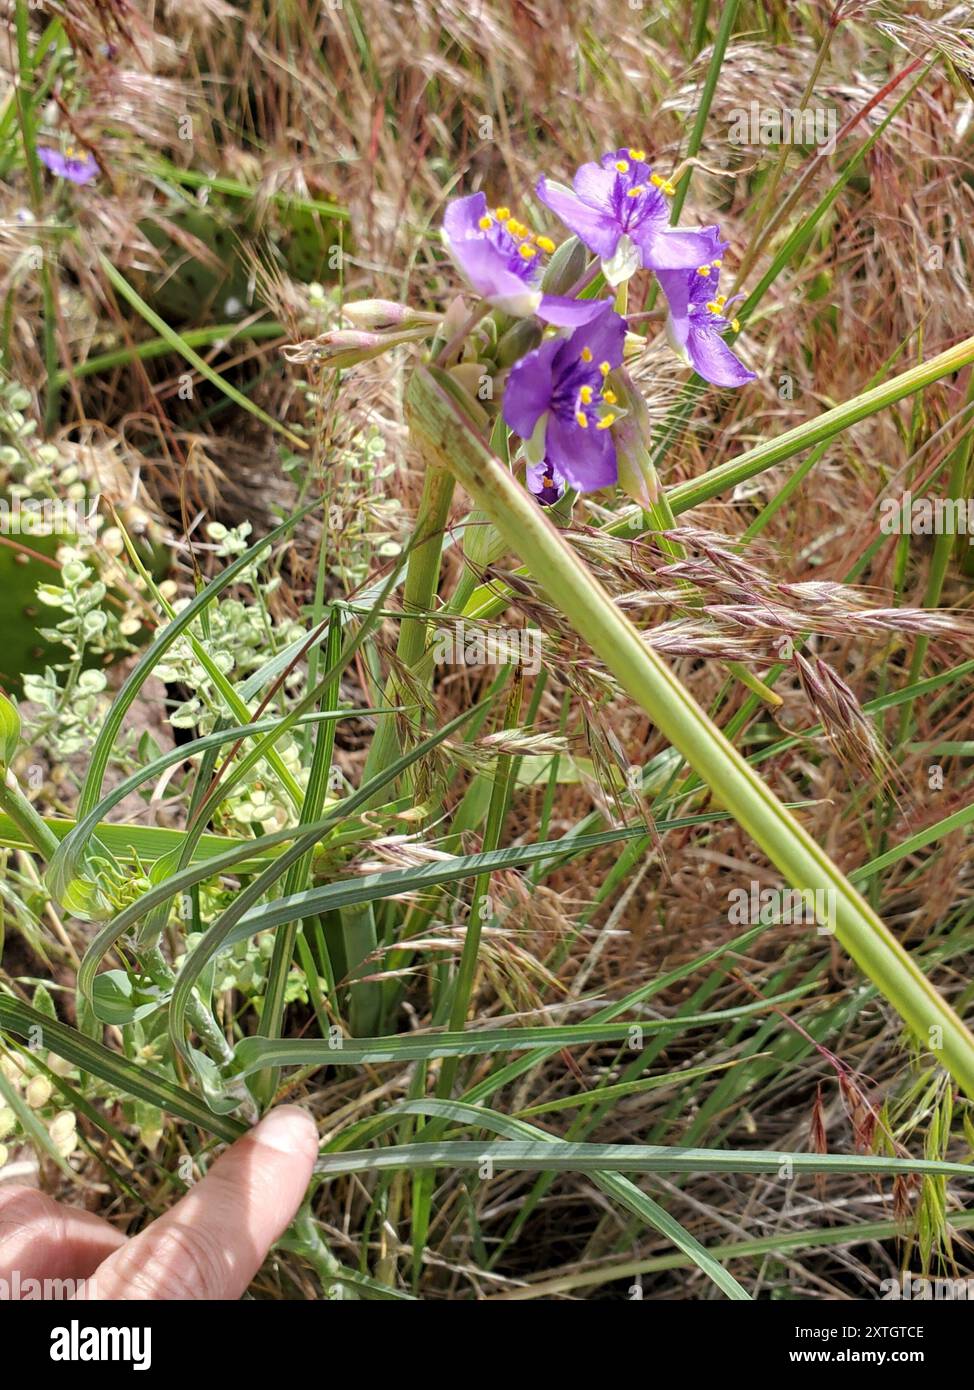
[
  {"x": 155, "y": 965},
  {"x": 22, "y": 813},
  {"x": 448, "y": 441},
  {"x": 418, "y": 595}
]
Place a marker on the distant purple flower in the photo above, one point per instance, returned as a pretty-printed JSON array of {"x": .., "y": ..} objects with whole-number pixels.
[
  {"x": 619, "y": 210},
  {"x": 555, "y": 398},
  {"x": 502, "y": 259},
  {"x": 697, "y": 319},
  {"x": 76, "y": 168},
  {"x": 545, "y": 482}
]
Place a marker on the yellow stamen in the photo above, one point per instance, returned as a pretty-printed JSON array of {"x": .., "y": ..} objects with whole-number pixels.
[
  {"x": 703, "y": 269},
  {"x": 516, "y": 228},
  {"x": 717, "y": 263},
  {"x": 720, "y": 301},
  {"x": 636, "y": 191},
  {"x": 669, "y": 188},
  {"x": 609, "y": 397},
  {"x": 581, "y": 419},
  {"x": 604, "y": 367},
  {"x": 546, "y": 244},
  {"x": 637, "y": 155},
  {"x": 713, "y": 306},
  {"x": 606, "y": 421},
  {"x": 527, "y": 251},
  {"x": 586, "y": 354},
  {"x": 585, "y": 395},
  {"x": 656, "y": 180},
  {"x": 502, "y": 214},
  {"x": 485, "y": 222},
  {"x": 623, "y": 166},
  {"x": 736, "y": 325}
]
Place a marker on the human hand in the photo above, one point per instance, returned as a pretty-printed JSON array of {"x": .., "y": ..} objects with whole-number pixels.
[{"x": 209, "y": 1246}]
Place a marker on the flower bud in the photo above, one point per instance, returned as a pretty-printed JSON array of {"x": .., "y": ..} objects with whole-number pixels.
[
  {"x": 566, "y": 267},
  {"x": 379, "y": 314},
  {"x": 633, "y": 440},
  {"x": 346, "y": 347},
  {"x": 518, "y": 340}
]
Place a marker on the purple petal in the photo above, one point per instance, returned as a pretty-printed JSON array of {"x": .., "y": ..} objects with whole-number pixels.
[
  {"x": 462, "y": 217},
  {"x": 603, "y": 336},
  {"x": 546, "y": 483},
  {"x": 596, "y": 187},
  {"x": 80, "y": 170},
  {"x": 484, "y": 265},
  {"x": 670, "y": 248},
  {"x": 600, "y": 231},
  {"x": 527, "y": 393},
  {"x": 676, "y": 286},
  {"x": 563, "y": 312},
  {"x": 585, "y": 457},
  {"x": 714, "y": 361},
  {"x": 717, "y": 245}
]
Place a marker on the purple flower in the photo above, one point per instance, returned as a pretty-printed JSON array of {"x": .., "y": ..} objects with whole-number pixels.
[
  {"x": 697, "y": 320},
  {"x": 545, "y": 482},
  {"x": 75, "y": 167},
  {"x": 502, "y": 259},
  {"x": 619, "y": 209},
  {"x": 556, "y": 399}
]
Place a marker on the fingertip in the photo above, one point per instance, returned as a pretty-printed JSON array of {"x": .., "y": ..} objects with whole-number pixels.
[{"x": 289, "y": 1129}]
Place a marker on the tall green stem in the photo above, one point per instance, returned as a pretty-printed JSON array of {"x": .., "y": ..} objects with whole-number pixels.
[{"x": 448, "y": 441}]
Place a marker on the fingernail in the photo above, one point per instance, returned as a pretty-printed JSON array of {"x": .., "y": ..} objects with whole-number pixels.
[{"x": 288, "y": 1129}]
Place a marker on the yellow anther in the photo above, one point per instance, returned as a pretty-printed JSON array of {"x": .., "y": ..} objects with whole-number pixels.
[
  {"x": 546, "y": 244},
  {"x": 609, "y": 397},
  {"x": 516, "y": 228},
  {"x": 638, "y": 155},
  {"x": 606, "y": 421},
  {"x": 720, "y": 301},
  {"x": 585, "y": 395},
  {"x": 656, "y": 180},
  {"x": 485, "y": 222},
  {"x": 636, "y": 191},
  {"x": 736, "y": 325},
  {"x": 527, "y": 251},
  {"x": 623, "y": 166},
  {"x": 703, "y": 269},
  {"x": 604, "y": 368},
  {"x": 581, "y": 419},
  {"x": 713, "y": 306},
  {"x": 717, "y": 263},
  {"x": 502, "y": 214},
  {"x": 669, "y": 188},
  {"x": 586, "y": 354}
]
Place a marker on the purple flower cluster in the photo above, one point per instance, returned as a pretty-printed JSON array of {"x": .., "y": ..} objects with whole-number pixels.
[
  {"x": 75, "y": 167},
  {"x": 559, "y": 398}
]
